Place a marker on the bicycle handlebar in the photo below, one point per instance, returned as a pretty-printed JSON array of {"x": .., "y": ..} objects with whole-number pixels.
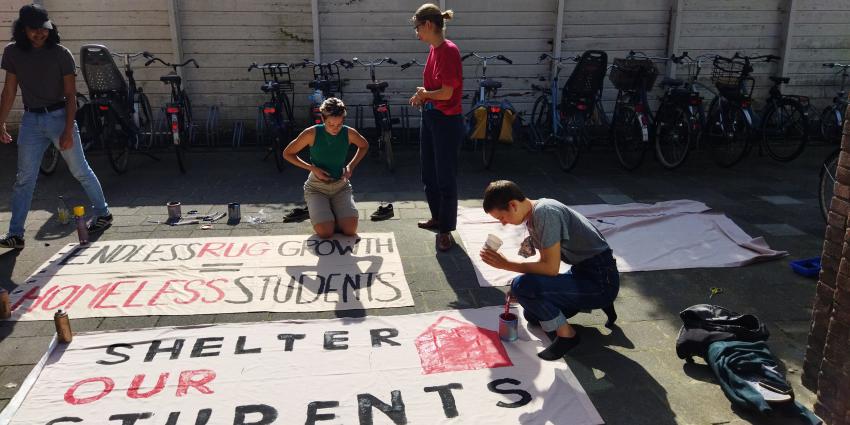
[
  {"x": 642, "y": 55},
  {"x": 409, "y": 64},
  {"x": 345, "y": 64},
  {"x": 502, "y": 58},
  {"x": 152, "y": 59},
  {"x": 560, "y": 60},
  {"x": 130, "y": 55},
  {"x": 836, "y": 65},
  {"x": 270, "y": 65},
  {"x": 375, "y": 63}
]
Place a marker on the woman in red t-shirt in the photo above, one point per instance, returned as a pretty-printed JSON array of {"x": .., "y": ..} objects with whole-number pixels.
[{"x": 441, "y": 129}]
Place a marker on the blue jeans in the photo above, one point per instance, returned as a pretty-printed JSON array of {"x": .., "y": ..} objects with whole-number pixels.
[
  {"x": 37, "y": 132},
  {"x": 590, "y": 284},
  {"x": 440, "y": 137}
]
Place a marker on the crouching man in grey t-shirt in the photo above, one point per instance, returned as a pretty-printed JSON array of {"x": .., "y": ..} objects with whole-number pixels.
[{"x": 560, "y": 234}]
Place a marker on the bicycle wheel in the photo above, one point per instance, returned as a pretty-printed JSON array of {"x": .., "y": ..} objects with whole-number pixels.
[
  {"x": 785, "y": 130},
  {"x": 729, "y": 135},
  {"x": 488, "y": 149},
  {"x": 827, "y": 182},
  {"x": 387, "y": 142},
  {"x": 277, "y": 147},
  {"x": 117, "y": 143},
  {"x": 628, "y": 138},
  {"x": 50, "y": 160},
  {"x": 541, "y": 116},
  {"x": 830, "y": 124},
  {"x": 672, "y": 135},
  {"x": 181, "y": 148},
  {"x": 569, "y": 139},
  {"x": 144, "y": 138}
]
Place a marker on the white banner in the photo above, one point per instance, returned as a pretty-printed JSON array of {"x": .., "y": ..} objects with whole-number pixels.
[
  {"x": 669, "y": 235},
  {"x": 291, "y": 273},
  {"x": 440, "y": 367}
]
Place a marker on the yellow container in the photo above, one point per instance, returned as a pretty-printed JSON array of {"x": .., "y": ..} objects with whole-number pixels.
[{"x": 79, "y": 211}]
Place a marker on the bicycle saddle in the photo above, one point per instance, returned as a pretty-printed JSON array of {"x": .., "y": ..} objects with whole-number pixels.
[
  {"x": 671, "y": 82},
  {"x": 171, "y": 78},
  {"x": 379, "y": 86},
  {"x": 778, "y": 80},
  {"x": 270, "y": 86},
  {"x": 491, "y": 84}
]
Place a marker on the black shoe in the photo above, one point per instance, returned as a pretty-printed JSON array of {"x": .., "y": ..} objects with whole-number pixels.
[
  {"x": 384, "y": 212},
  {"x": 99, "y": 224},
  {"x": 612, "y": 316},
  {"x": 560, "y": 346},
  {"x": 296, "y": 215},
  {"x": 12, "y": 242}
]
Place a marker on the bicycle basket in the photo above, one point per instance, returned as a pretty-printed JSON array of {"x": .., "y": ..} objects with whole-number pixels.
[
  {"x": 633, "y": 74},
  {"x": 588, "y": 75},
  {"x": 726, "y": 76},
  {"x": 278, "y": 72},
  {"x": 100, "y": 71}
]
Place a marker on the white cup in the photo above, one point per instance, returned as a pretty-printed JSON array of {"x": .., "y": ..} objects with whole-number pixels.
[{"x": 493, "y": 242}]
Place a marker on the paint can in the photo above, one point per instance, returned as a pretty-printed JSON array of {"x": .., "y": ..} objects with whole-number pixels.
[
  {"x": 5, "y": 309},
  {"x": 234, "y": 212},
  {"x": 508, "y": 323},
  {"x": 63, "y": 327},
  {"x": 174, "y": 212}
]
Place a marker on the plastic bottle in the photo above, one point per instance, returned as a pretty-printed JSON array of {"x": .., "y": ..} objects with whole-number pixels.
[
  {"x": 62, "y": 212},
  {"x": 82, "y": 230}
]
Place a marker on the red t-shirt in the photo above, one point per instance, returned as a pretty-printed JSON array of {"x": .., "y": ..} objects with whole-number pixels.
[{"x": 443, "y": 68}]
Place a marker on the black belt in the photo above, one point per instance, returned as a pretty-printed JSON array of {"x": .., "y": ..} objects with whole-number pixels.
[{"x": 45, "y": 109}]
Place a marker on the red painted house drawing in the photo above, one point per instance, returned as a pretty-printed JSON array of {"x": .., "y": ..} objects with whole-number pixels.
[{"x": 451, "y": 345}]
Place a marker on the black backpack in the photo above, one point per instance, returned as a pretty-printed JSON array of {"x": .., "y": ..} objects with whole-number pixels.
[{"x": 704, "y": 324}]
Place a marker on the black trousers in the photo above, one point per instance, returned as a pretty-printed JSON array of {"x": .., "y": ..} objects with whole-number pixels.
[{"x": 440, "y": 137}]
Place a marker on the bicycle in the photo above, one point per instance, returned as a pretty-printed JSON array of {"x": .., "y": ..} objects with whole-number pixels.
[
  {"x": 484, "y": 98},
  {"x": 631, "y": 125},
  {"x": 832, "y": 118},
  {"x": 326, "y": 83},
  {"x": 565, "y": 120},
  {"x": 782, "y": 124},
  {"x": 275, "y": 125},
  {"x": 123, "y": 110},
  {"x": 178, "y": 109},
  {"x": 680, "y": 115},
  {"x": 381, "y": 110},
  {"x": 827, "y": 182}
]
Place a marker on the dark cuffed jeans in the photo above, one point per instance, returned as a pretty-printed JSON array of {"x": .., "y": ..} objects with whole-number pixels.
[
  {"x": 590, "y": 284},
  {"x": 440, "y": 137}
]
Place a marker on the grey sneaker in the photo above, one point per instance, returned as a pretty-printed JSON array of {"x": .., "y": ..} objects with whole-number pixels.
[
  {"x": 100, "y": 224},
  {"x": 12, "y": 242}
]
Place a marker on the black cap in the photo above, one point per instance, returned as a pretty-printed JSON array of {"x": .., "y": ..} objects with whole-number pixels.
[{"x": 34, "y": 16}]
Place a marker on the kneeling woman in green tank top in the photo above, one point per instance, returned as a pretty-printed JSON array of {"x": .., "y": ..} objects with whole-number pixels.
[{"x": 327, "y": 190}]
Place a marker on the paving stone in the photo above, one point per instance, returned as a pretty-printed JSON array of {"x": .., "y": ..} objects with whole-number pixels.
[
  {"x": 24, "y": 350},
  {"x": 780, "y": 229},
  {"x": 12, "y": 378},
  {"x": 781, "y": 200},
  {"x": 133, "y": 322}
]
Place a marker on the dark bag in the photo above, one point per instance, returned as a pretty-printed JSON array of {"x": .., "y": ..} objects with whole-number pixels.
[{"x": 704, "y": 324}]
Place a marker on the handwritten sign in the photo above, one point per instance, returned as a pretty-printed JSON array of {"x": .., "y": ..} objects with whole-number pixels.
[{"x": 216, "y": 275}]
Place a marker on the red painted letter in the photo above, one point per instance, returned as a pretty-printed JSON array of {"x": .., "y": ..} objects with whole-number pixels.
[
  {"x": 133, "y": 391},
  {"x": 70, "y": 398},
  {"x": 187, "y": 379}
]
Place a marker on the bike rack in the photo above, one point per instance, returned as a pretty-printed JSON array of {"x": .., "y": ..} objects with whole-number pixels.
[
  {"x": 212, "y": 128},
  {"x": 405, "y": 123},
  {"x": 238, "y": 134}
]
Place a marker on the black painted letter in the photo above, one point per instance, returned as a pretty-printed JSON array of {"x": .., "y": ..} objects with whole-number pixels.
[
  {"x": 331, "y": 340},
  {"x": 312, "y": 411},
  {"x": 383, "y": 335},
  {"x": 290, "y": 340},
  {"x": 201, "y": 345},
  {"x": 130, "y": 418},
  {"x": 240, "y": 347},
  {"x": 269, "y": 414},
  {"x": 365, "y": 403},
  {"x": 174, "y": 350},
  {"x": 446, "y": 397},
  {"x": 202, "y": 419},
  {"x": 524, "y": 396},
  {"x": 111, "y": 350}
]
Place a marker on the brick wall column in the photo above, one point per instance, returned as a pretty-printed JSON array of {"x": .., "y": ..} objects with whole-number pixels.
[{"x": 826, "y": 369}]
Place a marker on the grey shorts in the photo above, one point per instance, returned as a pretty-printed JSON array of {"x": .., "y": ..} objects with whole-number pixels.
[{"x": 329, "y": 201}]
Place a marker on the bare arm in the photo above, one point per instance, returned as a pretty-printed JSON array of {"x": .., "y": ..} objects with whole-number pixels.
[
  {"x": 362, "y": 145},
  {"x": 548, "y": 265},
  {"x": 10, "y": 89},
  {"x": 443, "y": 93},
  {"x": 301, "y": 142}
]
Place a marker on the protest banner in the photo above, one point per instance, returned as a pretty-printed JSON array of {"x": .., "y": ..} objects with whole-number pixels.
[
  {"x": 439, "y": 367},
  {"x": 289, "y": 273}
]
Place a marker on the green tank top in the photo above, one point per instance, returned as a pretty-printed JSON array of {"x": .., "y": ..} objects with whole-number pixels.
[{"x": 329, "y": 152}]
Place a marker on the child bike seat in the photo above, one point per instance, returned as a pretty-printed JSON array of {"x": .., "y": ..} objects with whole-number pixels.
[{"x": 100, "y": 72}]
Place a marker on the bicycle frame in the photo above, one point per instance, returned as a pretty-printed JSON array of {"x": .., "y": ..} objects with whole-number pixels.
[
  {"x": 325, "y": 77},
  {"x": 380, "y": 105},
  {"x": 487, "y": 90},
  {"x": 177, "y": 109}
]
